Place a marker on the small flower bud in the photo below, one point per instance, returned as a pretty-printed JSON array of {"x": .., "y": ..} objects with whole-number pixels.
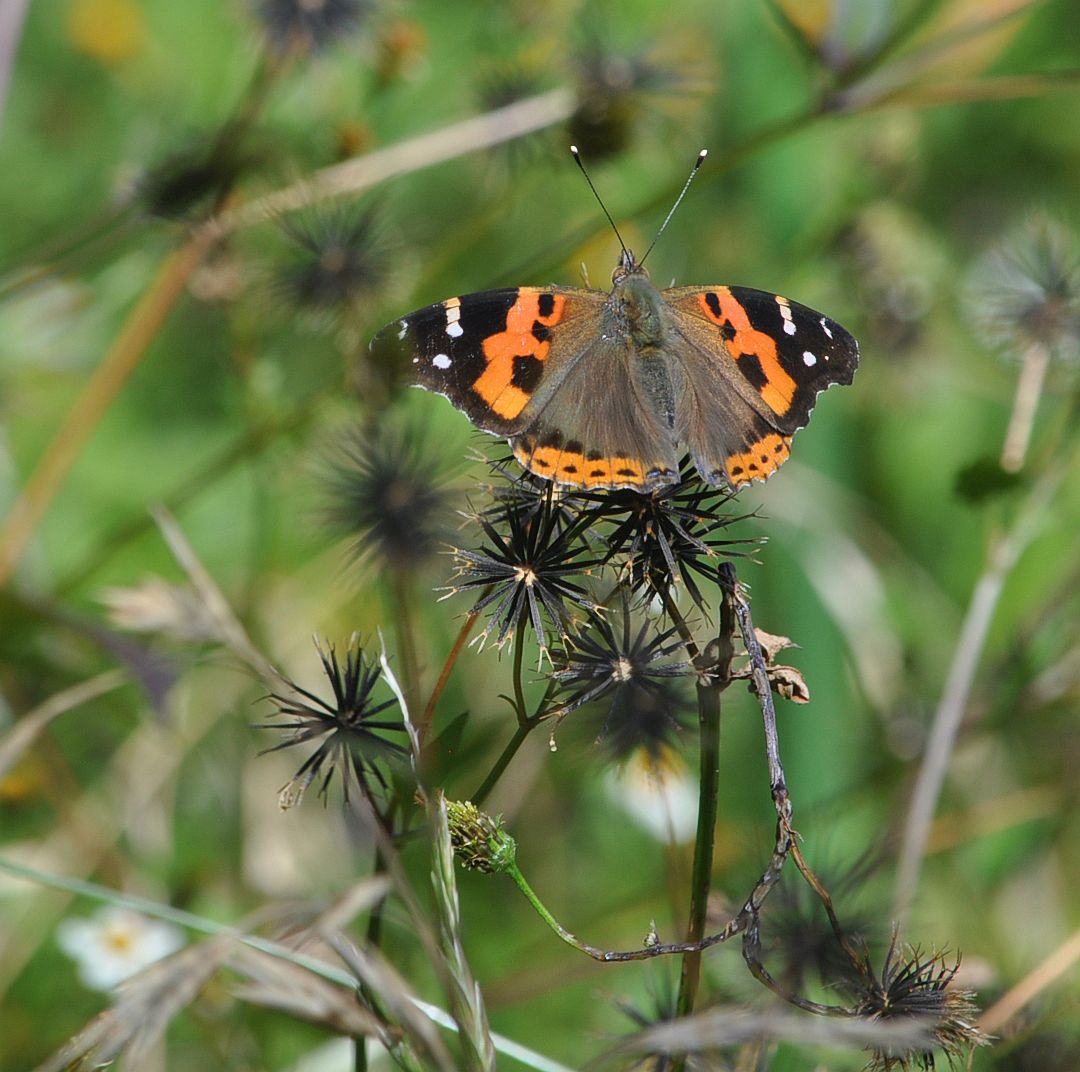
[{"x": 479, "y": 840}]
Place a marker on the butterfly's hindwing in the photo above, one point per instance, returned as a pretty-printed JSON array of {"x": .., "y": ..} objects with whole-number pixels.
[{"x": 598, "y": 426}]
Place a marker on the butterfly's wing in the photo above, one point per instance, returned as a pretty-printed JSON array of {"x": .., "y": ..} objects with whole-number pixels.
[
  {"x": 529, "y": 363},
  {"x": 485, "y": 352},
  {"x": 747, "y": 367}
]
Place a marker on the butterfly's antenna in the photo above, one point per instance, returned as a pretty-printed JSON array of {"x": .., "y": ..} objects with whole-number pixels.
[
  {"x": 577, "y": 158},
  {"x": 678, "y": 201}
]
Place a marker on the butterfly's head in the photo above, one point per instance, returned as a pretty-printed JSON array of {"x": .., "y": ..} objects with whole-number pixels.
[{"x": 628, "y": 265}]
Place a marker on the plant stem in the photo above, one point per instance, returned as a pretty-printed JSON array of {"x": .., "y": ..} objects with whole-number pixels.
[
  {"x": 701, "y": 876},
  {"x": 447, "y": 143},
  {"x": 508, "y": 753},
  {"x": 519, "y": 653},
  {"x": 709, "y": 708},
  {"x": 424, "y": 724},
  {"x": 405, "y": 622},
  {"x": 1001, "y": 558},
  {"x": 1022, "y": 420},
  {"x": 525, "y": 723},
  {"x": 140, "y": 329}
]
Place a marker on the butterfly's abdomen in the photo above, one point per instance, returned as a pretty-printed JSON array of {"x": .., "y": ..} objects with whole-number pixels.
[{"x": 636, "y": 313}]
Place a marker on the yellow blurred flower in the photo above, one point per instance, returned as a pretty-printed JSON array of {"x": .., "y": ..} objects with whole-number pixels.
[{"x": 110, "y": 31}]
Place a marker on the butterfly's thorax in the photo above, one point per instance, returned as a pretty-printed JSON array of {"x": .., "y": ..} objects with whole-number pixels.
[{"x": 635, "y": 311}]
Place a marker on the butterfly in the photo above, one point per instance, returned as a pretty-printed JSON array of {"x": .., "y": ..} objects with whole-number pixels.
[{"x": 600, "y": 389}]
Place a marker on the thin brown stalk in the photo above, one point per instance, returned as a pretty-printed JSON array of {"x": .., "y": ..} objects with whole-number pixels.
[
  {"x": 1031, "y": 986},
  {"x": 140, "y": 329},
  {"x": 1025, "y": 403},
  {"x": 423, "y": 726},
  {"x": 945, "y": 728},
  {"x": 362, "y": 172},
  {"x": 31, "y": 725},
  {"x": 229, "y": 628}
]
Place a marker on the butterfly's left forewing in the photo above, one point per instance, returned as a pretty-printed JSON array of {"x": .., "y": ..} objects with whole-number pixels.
[{"x": 486, "y": 352}]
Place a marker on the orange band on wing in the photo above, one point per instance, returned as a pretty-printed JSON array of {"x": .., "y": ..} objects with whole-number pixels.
[
  {"x": 571, "y": 467},
  {"x": 758, "y": 461},
  {"x": 519, "y": 339},
  {"x": 778, "y": 390}
]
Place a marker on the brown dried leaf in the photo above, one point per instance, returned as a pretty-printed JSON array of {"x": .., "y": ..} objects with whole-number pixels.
[
  {"x": 811, "y": 18},
  {"x": 772, "y": 644},
  {"x": 789, "y": 683},
  {"x": 952, "y": 50},
  {"x": 1001, "y": 87}
]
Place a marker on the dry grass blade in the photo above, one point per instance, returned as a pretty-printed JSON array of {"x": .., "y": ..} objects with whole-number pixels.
[
  {"x": 396, "y": 999},
  {"x": 966, "y": 91},
  {"x": 728, "y": 1027},
  {"x": 361, "y": 172},
  {"x": 945, "y": 728},
  {"x": 360, "y": 897},
  {"x": 142, "y": 1012},
  {"x": 803, "y": 26},
  {"x": 217, "y": 606},
  {"x": 960, "y": 50},
  {"x": 27, "y": 730},
  {"x": 97, "y": 396},
  {"x": 1034, "y": 983},
  {"x": 277, "y": 984}
]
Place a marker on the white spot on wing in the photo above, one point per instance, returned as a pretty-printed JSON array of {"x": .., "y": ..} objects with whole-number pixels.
[
  {"x": 453, "y": 315},
  {"x": 404, "y": 329},
  {"x": 825, "y": 327},
  {"x": 441, "y": 361},
  {"x": 785, "y": 313},
  {"x": 809, "y": 359}
]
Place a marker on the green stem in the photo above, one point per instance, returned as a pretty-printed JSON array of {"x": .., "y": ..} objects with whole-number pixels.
[
  {"x": 701, "y": 876},
  {"x": 545, "y": 915},
  {"x": 403, "y": 617},
  {"x": 709, "y": 710},
  {"x": 526, "y": 723},
  {"x": 508, "y": 753}
]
